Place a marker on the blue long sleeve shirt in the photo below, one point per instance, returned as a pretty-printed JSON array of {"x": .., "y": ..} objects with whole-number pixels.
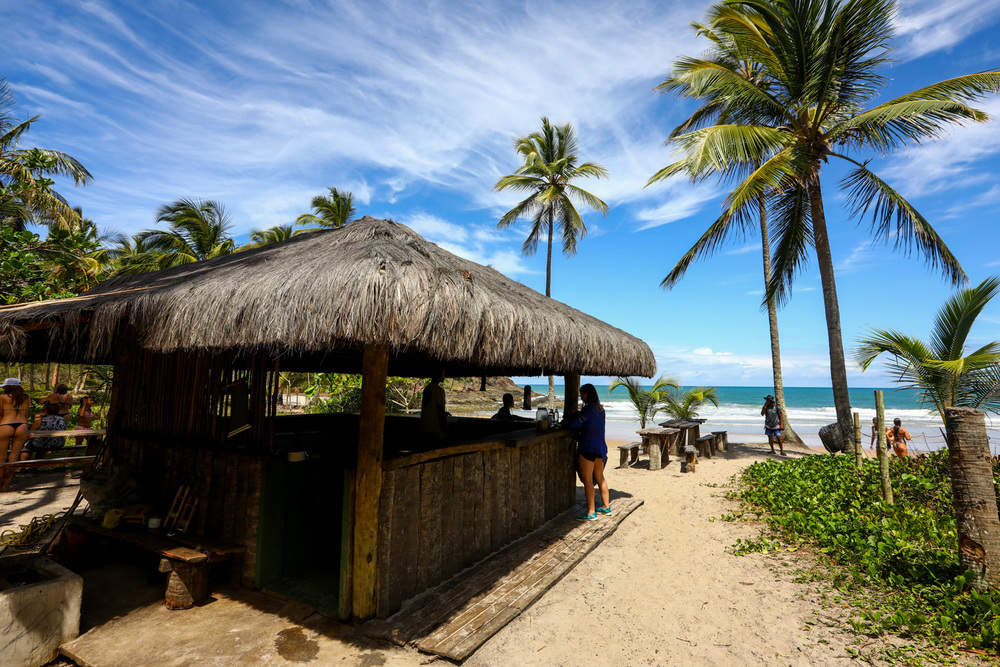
[{"x": 589, "y": 426}]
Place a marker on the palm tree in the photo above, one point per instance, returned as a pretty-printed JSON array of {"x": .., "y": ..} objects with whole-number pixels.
[
  {"x": 728, "y": 53},
  {"x": 940, "y": 369},
  {"x": 550, "y": 164},
  {"x": 333, "y": 210},
  {"x": 26, "y": 194},
  {"x": 687, "y": 404},
  {"x": 128, "y": 255},
  {"x": 276, "y": 234},
  {"x": 198, "y": 230},
  {"x": 647, "y": 402},
  {"x": 820, "y": 60}
]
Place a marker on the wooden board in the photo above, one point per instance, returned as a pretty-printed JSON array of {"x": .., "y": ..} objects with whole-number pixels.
[{"x": 457, "y": 617}]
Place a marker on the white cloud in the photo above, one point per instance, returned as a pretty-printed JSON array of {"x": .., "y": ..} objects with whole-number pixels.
[
  {"x": 862, "y": 254},
  {"x": 986, "y": 198},
  {"x": 924, "y": 26},
  {"x": 683, "y": 200},
  {"x": 306, "y": 96},
  {"x": 478, "y": 243},
  {"x": 753, "y": 247}
]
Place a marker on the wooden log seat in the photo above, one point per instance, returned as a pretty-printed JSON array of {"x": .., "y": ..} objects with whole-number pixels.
[
  {"x": 704, "y": 445},
  {"x": 690, "y": 459},
  {"x": 628, "y": 454},
  {"x": 187, "y": 562},
  {"x": 721, "y": 440}
]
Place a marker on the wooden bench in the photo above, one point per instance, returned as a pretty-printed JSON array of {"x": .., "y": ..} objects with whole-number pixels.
[
  {"x": 628, "y": 454},
  {"x": 721, "y": 440},
  {"x": 704, "y": 445},
  {"x": 186, "y": 559}
]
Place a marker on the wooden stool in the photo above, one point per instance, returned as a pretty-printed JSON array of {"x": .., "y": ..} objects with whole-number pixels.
[
  {"x": 628, "y": 454},
  {"x": 704, "y": 445},
  {"x": 722, "y": 440}
]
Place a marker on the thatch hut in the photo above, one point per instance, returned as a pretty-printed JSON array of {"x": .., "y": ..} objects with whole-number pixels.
[{"x": 373, "y": 298}]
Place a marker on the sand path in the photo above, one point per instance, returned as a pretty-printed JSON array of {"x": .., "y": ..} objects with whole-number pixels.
[{"x": 663, "y": 590}]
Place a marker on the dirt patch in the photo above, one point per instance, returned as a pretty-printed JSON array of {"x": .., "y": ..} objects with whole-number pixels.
[{"x": 293, "y": 645}]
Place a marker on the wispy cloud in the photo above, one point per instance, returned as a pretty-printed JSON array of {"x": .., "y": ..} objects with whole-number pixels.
[
  {"x": 925, "y": 26},
  {"x": 302, "y": 96},
  {"x": 683, "y": 201},
  {"x": 481, "y": 243},
  {"x": 753, "y": 247}
]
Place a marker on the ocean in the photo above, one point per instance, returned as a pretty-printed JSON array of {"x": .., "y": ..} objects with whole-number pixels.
[{"x": 809, "y": 408}]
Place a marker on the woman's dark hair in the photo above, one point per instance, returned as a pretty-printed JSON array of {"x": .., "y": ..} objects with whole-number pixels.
[
  {"x": 589, "y": 395},
  {"x": 52, "y": 408},
  {"x": 62, "y": 389},
  {"x": 16, "y": 393}
]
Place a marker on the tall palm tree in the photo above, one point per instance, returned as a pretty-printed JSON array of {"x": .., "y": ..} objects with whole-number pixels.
[
  {"x": 820, "y": 60},
  {"x": 26, "y": 194},
  {"x": 647, "y": 402},
  {"x": 940, "y": 369},
  {"x": 197, "y": 230},
  {"x": 333, "y": 210},
  {"x": 686, "y": 405},
  {"x": 550, "y": 163},
  {"x": 730, "y": 54}
]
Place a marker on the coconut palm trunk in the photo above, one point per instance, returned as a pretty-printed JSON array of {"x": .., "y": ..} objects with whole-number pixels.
[
  {"x": 789, "y": 434},
  {"x": 974, "y": 496},
  {"x": 550, "y": 403},
  {"x": 838, "y": 368}
]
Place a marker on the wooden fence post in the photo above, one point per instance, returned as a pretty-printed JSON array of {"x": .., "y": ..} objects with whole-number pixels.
[
  {"x": 883, "y": 455},
  {"x": 975, "y": 498},
  {"x": 571, "y": 394},
  {"x": 857, "y": 441}
]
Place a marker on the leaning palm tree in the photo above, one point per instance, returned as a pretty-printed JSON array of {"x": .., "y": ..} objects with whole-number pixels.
[
  {"x": 687, "y": 404},
  {"x": 333, "y": 210},
  {"x": 647, "y": 402},
  {"x": 26, "y": 194},
  {"x": 731, "y": 55},
  {"x": 941, "y": 370},
  {"x": 197, "y": 230},
  {"x": 821, "y": 61},
  {"x": 550, "y": 164}
]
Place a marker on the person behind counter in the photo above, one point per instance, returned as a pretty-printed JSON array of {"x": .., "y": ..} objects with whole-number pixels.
[
  {"x": 505, "y": 414},
  {"x": 433, "y": 418},
  {"x": 588, "y": 424}
]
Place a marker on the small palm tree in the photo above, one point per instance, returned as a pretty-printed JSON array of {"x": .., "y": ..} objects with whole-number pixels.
[
  {"x": 333, "y": 210},
  {"x": 131, "y": 254},
  {"x": 276, "y": 234},
  {"x": 198, "y": 230},
  {"x": 550, "y": 164},
  {"x": 26, "y": 194},
  {"x": 940, "y": 369},
  {"x": 686, "y": 405},
  {"x": 647, "y": 402}
]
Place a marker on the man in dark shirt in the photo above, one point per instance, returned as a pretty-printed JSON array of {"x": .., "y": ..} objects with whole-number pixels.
[
  {"x": 505, "y": 414},
  {"x": 772, "y": 423},
  {"x": 433, "y": 418}
]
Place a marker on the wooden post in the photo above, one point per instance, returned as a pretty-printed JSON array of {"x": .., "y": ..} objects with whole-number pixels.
[
  {"x": 857, "y": 441},
  {"x": 368, "y": 479},
  {"x": 571, "y": 389},
  {"x": 883, "y": 455},
  {"x": 344, "y": 606},
  {"x": 974, "y": 496}
]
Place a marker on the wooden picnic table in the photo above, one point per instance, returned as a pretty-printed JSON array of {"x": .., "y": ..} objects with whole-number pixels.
[
  {"x": 691, "y": 428},
  {"x": 658, "y": 442},
  {"x": 50, "y": 462}
]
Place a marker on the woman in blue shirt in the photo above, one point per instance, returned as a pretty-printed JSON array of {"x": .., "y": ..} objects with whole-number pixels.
[{"x": 592, "y": 453}]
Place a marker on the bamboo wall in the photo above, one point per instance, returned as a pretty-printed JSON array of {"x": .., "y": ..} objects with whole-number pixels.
[
  {"x": 167, "y": 426},
  {"x": 437, "y": 517}
]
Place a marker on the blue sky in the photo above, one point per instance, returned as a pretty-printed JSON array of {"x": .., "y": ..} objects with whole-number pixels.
[{"x": 414, "y": 109}]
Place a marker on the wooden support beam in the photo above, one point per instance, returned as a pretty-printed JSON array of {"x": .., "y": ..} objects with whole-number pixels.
[
  {"x": 571, "y": 389},
  {"x": 368, "y": 480}
]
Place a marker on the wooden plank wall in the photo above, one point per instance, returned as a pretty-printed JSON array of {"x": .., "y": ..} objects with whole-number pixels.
[
  {"x": 438, "y": 517},
  {"x": 227, "y": 485}
]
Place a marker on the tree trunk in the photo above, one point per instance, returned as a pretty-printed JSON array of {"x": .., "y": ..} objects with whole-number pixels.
[
  {"x": 790, "y": 436},
  {"x": 551, "y": 402},
  {"x": 883, "y": 449},
  {"x": 55, "y": 375},
  {"x": 838, "y": 369},
  {"x": 974, "y": 496}
]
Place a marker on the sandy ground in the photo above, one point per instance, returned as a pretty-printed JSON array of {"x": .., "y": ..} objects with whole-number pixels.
[
  {"x": 663, "y": 590},
  {"x": 37, "y": 494}
]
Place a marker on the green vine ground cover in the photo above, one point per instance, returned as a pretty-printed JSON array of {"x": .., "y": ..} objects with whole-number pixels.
[{"x": 898, "y": 563}]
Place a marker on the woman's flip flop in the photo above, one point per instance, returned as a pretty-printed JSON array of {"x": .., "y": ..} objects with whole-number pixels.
[
  {"x": 586, "y": 517},
  {"x": 604, "y": 510}
]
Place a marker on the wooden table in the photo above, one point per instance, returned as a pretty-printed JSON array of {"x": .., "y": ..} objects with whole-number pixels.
[
  {"x": 657, "y": 442},
  {"x": 691, "y": 428}
]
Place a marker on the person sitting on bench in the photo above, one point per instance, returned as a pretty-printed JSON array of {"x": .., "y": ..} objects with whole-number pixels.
[
  {"x": 505, "y": 414},
  {"x": 50, "y": 421}
]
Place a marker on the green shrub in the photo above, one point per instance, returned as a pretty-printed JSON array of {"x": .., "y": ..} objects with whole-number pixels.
[{"x": 905, "y": 554}]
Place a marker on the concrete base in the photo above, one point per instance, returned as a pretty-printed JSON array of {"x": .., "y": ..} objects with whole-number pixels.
[{"x": 35, "y": 618}]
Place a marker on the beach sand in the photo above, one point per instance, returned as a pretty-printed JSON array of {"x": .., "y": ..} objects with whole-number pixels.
[{"x": 664, "y": 590}]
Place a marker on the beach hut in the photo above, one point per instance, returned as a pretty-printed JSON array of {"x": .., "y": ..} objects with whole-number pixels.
[{"x": 373, "y": 514}]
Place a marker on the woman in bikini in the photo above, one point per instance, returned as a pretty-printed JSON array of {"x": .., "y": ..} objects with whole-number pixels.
[
  {"x": 84, "y": 417},
  {"x": 13, "y": 425}
]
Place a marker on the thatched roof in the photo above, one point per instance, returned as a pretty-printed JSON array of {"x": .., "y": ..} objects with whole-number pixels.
[{"x": 319, "y": 297}]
